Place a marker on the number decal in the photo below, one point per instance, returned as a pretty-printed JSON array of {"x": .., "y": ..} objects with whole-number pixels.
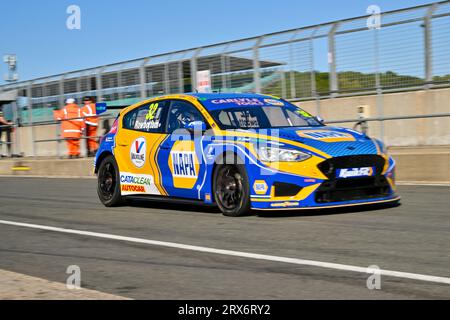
[{"x": 152, "y": 111}]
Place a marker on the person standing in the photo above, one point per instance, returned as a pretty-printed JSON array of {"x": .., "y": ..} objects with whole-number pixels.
[
  {"x": 89, "y": 112},
  {"x": 6, "y": 126},
  {"x": 72, "y": 126}
]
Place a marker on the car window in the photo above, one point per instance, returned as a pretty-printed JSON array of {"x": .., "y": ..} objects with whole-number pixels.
[
  {"x": 148, "y": 118},
  {"x": 182, "y": 113}
]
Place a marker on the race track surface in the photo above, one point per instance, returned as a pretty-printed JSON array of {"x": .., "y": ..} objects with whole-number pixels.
[{"x": 413, "y": 237}]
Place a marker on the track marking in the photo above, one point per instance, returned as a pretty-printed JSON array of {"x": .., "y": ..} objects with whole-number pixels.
[{"x": 328, "y": 265}]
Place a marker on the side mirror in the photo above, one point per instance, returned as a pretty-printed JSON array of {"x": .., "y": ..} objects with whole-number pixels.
[
  {"x": 196, "y": 126},
  {"x": 320, "y": 120}
]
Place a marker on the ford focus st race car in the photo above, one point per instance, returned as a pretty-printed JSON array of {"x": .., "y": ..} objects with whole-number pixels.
[{"x": 239, "y": 152}]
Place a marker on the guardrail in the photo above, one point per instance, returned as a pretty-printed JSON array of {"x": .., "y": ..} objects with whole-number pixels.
[
  {"x": 407, "y": 50},
  {"x": 361, "y": 123}
]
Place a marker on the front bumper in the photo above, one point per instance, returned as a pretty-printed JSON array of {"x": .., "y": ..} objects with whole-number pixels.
[
  {"x": 297, "y": 205},
  {"x": 299, "y": 192}
]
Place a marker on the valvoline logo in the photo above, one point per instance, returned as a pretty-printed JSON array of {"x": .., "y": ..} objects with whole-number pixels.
[
  {"x": 183, "y": 164},
  {"x": 355, "y": 172},
  {"x": 138, "y": 151}
]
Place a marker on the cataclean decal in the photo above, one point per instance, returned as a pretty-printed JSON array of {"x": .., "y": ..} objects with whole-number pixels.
[{"x": 136, "y": 180}]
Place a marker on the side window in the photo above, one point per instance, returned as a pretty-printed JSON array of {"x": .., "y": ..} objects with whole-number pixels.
[
  {"x": 147, "y": 118},
  {"x": 182, "y": 113}
]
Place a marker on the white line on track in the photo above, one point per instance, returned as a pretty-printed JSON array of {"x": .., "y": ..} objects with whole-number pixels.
[{"x": 328, "y": 265}]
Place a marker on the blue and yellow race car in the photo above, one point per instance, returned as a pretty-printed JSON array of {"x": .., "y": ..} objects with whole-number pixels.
[{"x": 239, "y": 152}]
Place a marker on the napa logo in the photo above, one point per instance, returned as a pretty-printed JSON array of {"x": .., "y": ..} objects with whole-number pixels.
[
  {"x": 355, "y": 172},
  {"x": 260, "y": 187},
  {"x": 138, "y": 151},
  {"x": 326, "y": 135},
  {"x": 183, "y": 164}
]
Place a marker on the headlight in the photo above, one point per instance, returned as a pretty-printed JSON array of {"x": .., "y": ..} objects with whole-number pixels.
[{"x": 273, "y": 154}]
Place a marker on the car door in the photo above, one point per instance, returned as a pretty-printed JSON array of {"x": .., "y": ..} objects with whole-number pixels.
[
  {"x": 181, "y": 155},
  {"x": 137, "y": 145}
]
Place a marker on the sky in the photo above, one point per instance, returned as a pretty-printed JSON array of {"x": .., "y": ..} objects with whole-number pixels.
[{"x": 114, "y": 31}]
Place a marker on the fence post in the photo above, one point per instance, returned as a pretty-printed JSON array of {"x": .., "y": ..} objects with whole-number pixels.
[
  {"x": 120, "y": 88},
  {"x": 61, "y": 105},
  {"x": 98, "y": 78},
  {"x": 194, "y": 69},
  {"x": 166, "y": 76},
  {"x": 30, "y": 117},
  {"x": 180, "y": 77},
  {"x": 334, "y": 86},
  {"x": 223, "y": 66},
  {"x": 15, "y": 140},
  {"x": 313, "y": 72},
  {"x": 142, "y": 79},
  {"x": 428, "y": 45},
  {"x": 256, "y": 66},
  {"x": 291, "y": 62}
]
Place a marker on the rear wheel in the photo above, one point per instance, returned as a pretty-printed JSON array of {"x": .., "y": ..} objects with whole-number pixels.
[
  {"x": 108, "y": 187},
  {"x": 231, "y": 190}
]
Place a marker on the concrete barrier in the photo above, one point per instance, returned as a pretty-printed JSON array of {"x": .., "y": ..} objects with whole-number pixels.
[
  {"x": 417, "y": 132},
  {"x": 77, "y": 168},
  {"x": 425, "y": 164}
]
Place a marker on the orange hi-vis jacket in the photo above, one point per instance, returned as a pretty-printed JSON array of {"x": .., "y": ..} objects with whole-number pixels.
[
  {"x": 71, "y": 128},
  {"x": 89, "y": 111}
]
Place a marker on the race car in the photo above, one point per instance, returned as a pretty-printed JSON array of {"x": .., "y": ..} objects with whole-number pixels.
[{"x": 240, "y": 152}]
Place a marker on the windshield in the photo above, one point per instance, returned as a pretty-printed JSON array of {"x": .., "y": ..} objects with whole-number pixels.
[{"x": 264, "y": 117}]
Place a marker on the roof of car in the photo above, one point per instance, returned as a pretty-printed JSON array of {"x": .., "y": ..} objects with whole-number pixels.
[{"x": 211, "y": 96}]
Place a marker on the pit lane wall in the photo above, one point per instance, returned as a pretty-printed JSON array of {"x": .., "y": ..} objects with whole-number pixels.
[
  {"x": 420, "y": 146},
  {"x": 414, "y": 164},
  {"x": 395, "y": 133}
]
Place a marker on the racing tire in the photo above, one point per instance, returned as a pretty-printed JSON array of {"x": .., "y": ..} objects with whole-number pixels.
[
  {"x": 231, "y": 190},
  {"x": 108, "y": 183}
]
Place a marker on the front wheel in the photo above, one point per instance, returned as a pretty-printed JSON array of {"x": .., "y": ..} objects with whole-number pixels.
[
  {"x": 231, "y": 190},
  {"x": 108, "y": 187}
]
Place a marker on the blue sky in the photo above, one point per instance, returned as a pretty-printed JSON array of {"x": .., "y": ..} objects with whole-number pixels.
[{"x": 113, "y": 31}]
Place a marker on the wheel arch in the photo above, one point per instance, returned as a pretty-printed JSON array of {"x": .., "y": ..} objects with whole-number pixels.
[{"x": 100, "y": 159}]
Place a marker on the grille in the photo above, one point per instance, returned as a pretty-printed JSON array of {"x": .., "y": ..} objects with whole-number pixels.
[
  {"x": 337, "y": 190},
  {"x": 329, "y": 166},
  {"x": 286, "y": 189}
]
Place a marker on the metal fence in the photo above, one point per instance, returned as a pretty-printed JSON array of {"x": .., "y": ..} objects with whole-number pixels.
[{"x": 410, "y": 50}]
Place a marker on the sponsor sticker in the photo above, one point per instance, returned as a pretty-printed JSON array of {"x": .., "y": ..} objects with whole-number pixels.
[
  {"x": 138, "y": 151},
  {"x": 132, "y": 188},
  {"x": 274, "y": 102},
  {"x": 303, "y": 113},
  {"x": 326, "y": 135},
  {"x": 285, "y": 204},
  {"x": 131, "y": 183},
  {"x": 239, "y": 101},
  {"x": 183, "y": 164},
  {"x": 260, "y": 187},
  {"x": 355, "y": 172}
]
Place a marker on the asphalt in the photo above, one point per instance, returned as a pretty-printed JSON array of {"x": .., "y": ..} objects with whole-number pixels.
[{"x": 413, "y": 237}]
